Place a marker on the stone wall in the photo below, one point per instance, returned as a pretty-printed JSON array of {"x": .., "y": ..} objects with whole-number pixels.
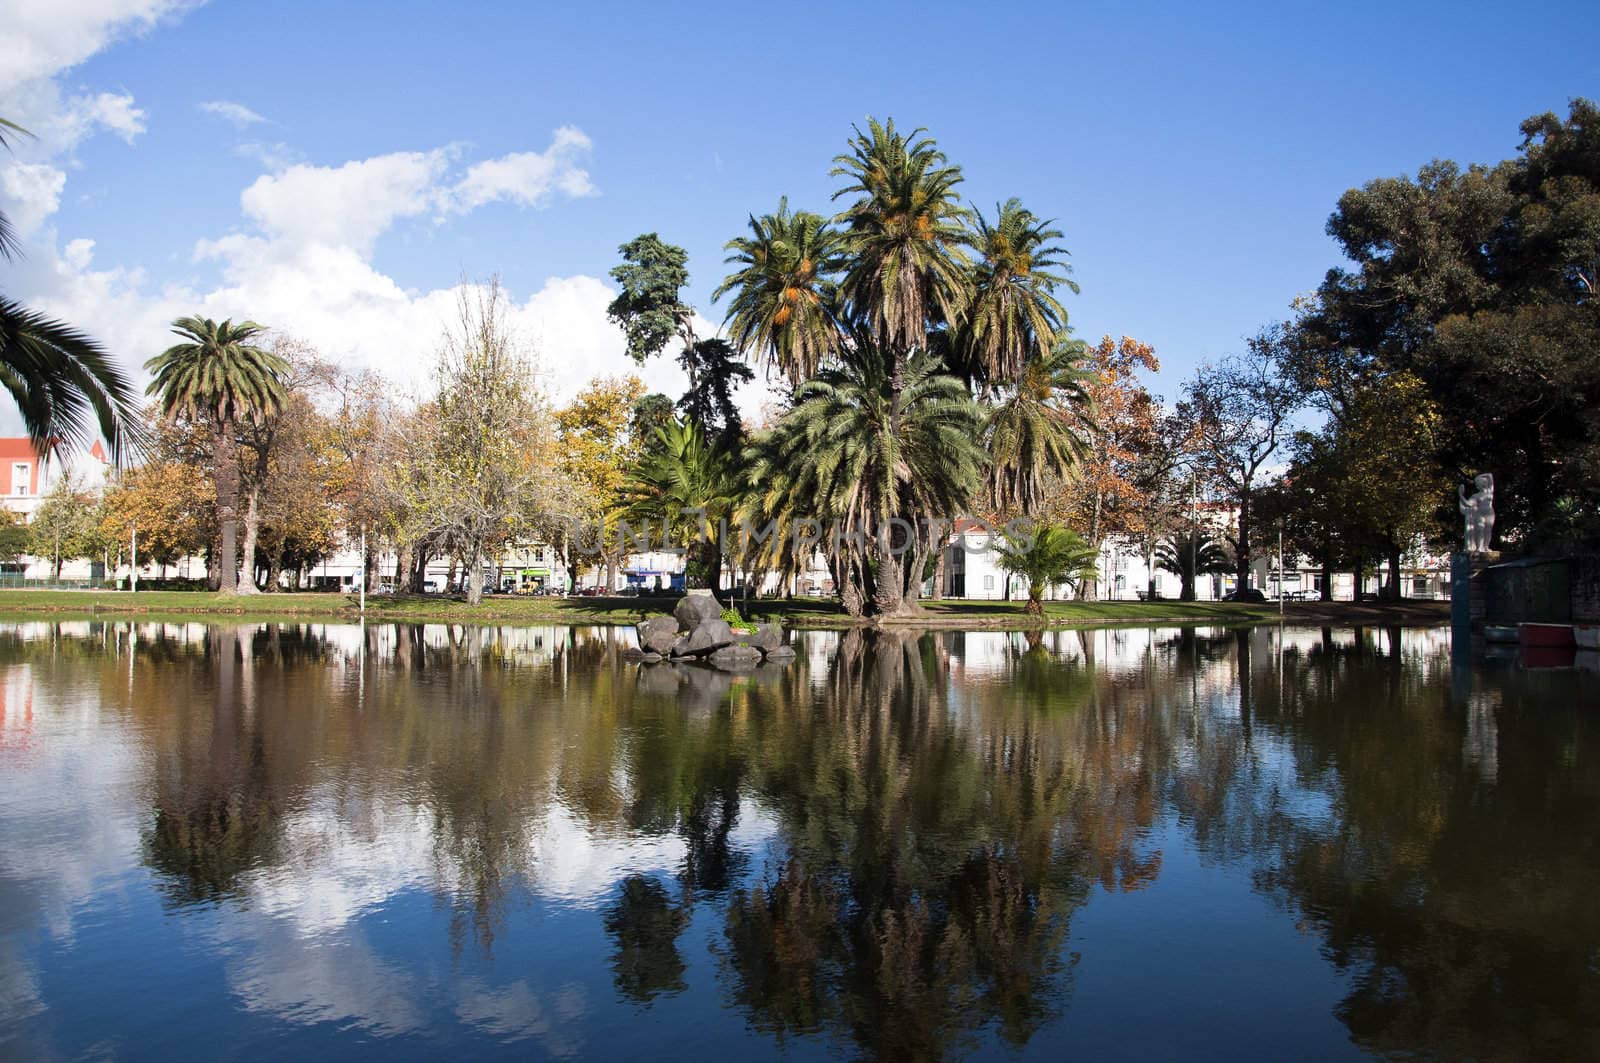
[{"x": 1584, "y": 579}]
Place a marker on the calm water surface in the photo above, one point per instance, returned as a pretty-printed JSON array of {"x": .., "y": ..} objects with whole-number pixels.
[{"x": 303, "y": 841}]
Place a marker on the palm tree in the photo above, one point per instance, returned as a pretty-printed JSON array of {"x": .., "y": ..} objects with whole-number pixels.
[
  {"x": 1014, "y": 311},
  {"x": 904, "y": 236},
  {"x": 1041, "y": 428},
  {"x": 219, "y": 376},
  {"x": 1049, "y": 556},
  {"x": 785, "y": 296},
  {"x": 859, "y": 452},
  {"x": 685, "y": 482},
  {"x": 1190, "y": 555},
  {"x": 64, "y": 384}
]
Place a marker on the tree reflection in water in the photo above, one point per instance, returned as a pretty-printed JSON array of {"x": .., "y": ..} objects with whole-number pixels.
[{"x": 891, "y": 836}]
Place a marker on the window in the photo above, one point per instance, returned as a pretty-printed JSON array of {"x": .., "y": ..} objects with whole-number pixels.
[
  {"x": 19, "y": 477},
  {"x": 988, "y": 583}
]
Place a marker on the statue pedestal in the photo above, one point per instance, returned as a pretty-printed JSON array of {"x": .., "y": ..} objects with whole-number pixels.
[{"x": 1461, "y": 604}]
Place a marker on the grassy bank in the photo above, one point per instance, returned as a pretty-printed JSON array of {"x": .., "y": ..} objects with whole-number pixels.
[{"x": 808, "y": 613}]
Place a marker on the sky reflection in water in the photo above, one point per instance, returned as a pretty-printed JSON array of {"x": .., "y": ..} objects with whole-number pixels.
[{"x": 428, "y": 840}]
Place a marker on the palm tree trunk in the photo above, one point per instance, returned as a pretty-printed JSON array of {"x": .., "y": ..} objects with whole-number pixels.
[
  {"x": 252, "y": 533},
  {"x": 889, "y": 594},
  {"x": 227, "y": 481},
  {"x": 918, "y": 560}
]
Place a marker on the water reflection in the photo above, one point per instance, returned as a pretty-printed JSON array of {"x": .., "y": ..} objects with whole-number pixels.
[{"x": 474, "y": 837}]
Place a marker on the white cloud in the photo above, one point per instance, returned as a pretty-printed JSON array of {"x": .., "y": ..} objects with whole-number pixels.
[
  {"x": 42, "y": 41},
  {"x": 30, "y": 193},
  {"x": 43, "y": 38},
  {"x": 345, "y": 206},
  {"x": 235, "y": 114},
  {"x": 304, "y": 261},
  {"x": 59, "y": 123},
  {"x": 528, "y": 178}
]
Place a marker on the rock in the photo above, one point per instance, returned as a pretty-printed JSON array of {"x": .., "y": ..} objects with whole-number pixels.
[
  {"x": 680, "y": 646},
  {"x": 657, "y": 634},
  {"x": 695, "y": 609},
  {"x": 632, "y": 653},
  {"x": 651, "y": 658},
  {"x": 736, "y": 657},
  {"x": 782, "y": 652},
  {"x": 766, "y": 637},
  {"x": 707, "y": 636}
]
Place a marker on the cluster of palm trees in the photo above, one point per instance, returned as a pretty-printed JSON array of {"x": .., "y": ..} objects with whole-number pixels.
[{"x": 931, "y": 367}]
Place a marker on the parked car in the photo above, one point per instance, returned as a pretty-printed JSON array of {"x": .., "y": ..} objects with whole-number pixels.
[{"x": 1244, "y": 594}]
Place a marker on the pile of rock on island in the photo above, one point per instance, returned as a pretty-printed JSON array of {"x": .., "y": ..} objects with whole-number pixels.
[{"x": 696, "y": 631}]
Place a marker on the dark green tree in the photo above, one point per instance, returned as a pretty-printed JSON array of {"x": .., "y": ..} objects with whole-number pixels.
[
  {"x": 1481, "y": 281},
  {"x": 650, "y": 309},
  {"x": 1190, "y": 555},
  {"x": 716, "y": 367}
]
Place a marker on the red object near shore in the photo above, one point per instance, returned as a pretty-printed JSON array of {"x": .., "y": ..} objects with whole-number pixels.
[
  {"x": 1548, "y": 656},
  {"x": 1554, "y": 636}
]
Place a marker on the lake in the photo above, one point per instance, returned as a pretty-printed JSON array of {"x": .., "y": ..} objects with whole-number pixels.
[{"x": 304, "y": 841}]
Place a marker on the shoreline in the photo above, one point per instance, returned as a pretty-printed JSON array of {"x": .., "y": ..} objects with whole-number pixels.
[{"x": 798, "y": 614}]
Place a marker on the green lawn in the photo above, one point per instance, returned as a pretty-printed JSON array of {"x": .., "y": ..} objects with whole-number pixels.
[{"x": 800, "y": 613}]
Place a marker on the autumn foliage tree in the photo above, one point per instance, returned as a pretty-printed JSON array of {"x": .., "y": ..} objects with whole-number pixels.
[
  {"x": 1105, "y": 495},
  {"x": 595, "y": 443}
]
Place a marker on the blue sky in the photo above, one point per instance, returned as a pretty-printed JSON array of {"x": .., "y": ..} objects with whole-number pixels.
[{"x": 1192, "y": 158}]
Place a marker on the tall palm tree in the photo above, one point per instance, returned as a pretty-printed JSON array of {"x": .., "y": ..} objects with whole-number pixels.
[
  {"x": 1014, "y": 311},
  {"x": 784, "y": 292},
  {"x": 683, "y": 484},
  {"x": 860, "y": 452},
  {"x": 218, "y": 375},
  {"x": 1040, "y": 429},
  {"x": 1190, "y": 555},
  {"x": 64, "y": 384},
  {"x": 905, "y": 235},
  {"x": 1049, "y": 556}
]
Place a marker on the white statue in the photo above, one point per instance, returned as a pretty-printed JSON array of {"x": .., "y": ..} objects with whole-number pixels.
[{"x": 1479, "y": 511}]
